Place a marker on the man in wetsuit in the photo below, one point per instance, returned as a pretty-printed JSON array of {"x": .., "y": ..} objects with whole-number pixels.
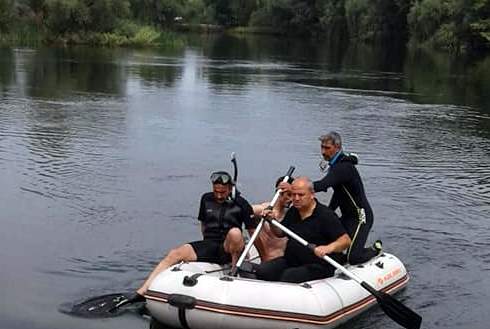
[
  {"x": 357, "y": 216},
  {"x": 317, "y": 224},
  {"x": 221, "y": 224}
]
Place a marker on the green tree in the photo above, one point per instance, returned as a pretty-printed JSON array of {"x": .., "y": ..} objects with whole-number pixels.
[
  {"x": 65, "y": 16},
  {"x": 222, "y": 13},
  {"x": 331, "y": 18},
  {"x": 241, "y": 11},
  {"x": 105, "y": 14},
  {"x": 85, "y": 15},
  {"x": 455, "y": 25},
  {"x": 6, "y": 15},
  {"x": 377, "y": 19},
  {"x": 305, "y": 17},
  {"x": 194, "y": 11},
  {"x": 33, "y": 10},
  {"x": 159, "y": 12},
  {"x": 273, "y": 13},
  {"x": 479, "y": 24}
]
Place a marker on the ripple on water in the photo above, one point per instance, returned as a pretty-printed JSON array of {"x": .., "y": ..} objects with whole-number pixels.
[
  {"x": 444, "y": 165},
  {"x": 66, "y": 150}
]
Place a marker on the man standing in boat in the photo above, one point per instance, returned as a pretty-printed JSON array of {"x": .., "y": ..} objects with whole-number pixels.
[
  {"x": 317, "y": 224},
  {"x": 357, "y": 216},
  {"x": 221, "y": 220}
]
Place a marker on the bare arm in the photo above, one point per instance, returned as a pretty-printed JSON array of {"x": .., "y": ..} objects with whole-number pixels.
[
  {"x": 259, "y": 208},
  {"x": 339, "y": 245}
]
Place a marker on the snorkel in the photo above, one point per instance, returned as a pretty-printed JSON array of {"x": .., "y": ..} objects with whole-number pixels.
[{"x": 235, "y": 176}]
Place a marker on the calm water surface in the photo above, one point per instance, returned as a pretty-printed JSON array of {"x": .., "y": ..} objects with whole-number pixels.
[{"x": 105, "y": 153}]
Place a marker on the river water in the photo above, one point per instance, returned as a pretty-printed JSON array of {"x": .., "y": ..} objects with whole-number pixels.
[{"x": 104, "y": 154}]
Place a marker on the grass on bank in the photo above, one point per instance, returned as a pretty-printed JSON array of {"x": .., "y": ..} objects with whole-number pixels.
[
  {"x": 255, "y": 30},
  {"x": 127, "y": 35},
  {"x": 22, "y": 36}
]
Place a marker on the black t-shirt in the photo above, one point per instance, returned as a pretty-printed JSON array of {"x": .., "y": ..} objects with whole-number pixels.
[
  {"x": 321, "y": 228},
  {"x": 219, "y": 218}
]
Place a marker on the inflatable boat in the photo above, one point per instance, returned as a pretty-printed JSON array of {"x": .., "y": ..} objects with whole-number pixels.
[{"x": 200, "y": 295}]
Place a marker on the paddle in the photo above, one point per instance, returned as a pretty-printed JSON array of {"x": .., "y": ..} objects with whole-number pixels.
[
  {"x": 259, "y": 226},
  {"x": 391, "y": 306}
]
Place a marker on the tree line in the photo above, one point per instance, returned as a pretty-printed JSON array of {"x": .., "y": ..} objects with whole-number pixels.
[{"x": 453, "y": 25}]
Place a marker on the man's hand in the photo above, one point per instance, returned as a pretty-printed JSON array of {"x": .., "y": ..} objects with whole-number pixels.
[
  {"x": 321, "y": 251},
  {"x": 267, "y": 214},
  {"x": 284, "y": 186}
]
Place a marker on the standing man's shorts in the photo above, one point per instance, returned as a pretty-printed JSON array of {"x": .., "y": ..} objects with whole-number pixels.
[{"x": 211, "y": 251}]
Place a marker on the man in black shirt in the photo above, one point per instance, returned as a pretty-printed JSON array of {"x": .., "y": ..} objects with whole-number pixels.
[
  {"x": 221, "y": 224},
  {"x": 315, "y": 223}
]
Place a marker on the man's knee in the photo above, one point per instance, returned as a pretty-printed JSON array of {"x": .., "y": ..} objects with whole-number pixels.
[
  {"x": 182, "y": 253},
  {"x": 234, "y": 235},
  {"x": 234, "y": 240}
]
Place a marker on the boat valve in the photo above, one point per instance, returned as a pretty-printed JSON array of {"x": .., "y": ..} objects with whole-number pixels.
[{"x": 190, "y": 281}]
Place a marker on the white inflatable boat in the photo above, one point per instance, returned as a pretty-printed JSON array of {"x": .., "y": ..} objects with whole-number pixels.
[{"x": 201, "y": 296}]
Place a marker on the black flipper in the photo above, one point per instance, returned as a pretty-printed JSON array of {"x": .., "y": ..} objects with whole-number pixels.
[{"x": 103, "y": 306}]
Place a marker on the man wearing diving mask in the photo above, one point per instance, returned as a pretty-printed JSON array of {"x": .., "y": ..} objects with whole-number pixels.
[{"x": 221, "y": 220}]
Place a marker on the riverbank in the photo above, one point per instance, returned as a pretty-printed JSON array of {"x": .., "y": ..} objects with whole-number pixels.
[
  {"x": 143, "y": 36},
  {"x": 213, "y": 28},
  {"x": 134, "y": 36},
  {"x": 130, "y": 34}
]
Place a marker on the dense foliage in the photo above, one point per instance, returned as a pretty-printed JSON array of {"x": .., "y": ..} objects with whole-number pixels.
[
  {"x": 451, "y": 24},
  {"x": 455, "y": 25},
  {"x": 6, "y": 14}
]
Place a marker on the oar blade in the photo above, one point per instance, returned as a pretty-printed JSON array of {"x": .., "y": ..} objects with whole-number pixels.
[
  {"x": 397, "y": 311},
  {"x": 101, "y": 306},
  {"x": 401, "y": 314}
]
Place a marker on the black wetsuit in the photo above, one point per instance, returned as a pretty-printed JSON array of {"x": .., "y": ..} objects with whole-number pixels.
[
  {"x": 300, "y": 264},
  {"x": 342, "y": 175},
  {"x": 217, "y": 219}
]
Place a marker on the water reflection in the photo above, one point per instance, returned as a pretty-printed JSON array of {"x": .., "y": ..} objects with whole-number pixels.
[
  {"x": 156, "y": 69},
  {"x": 7, "y": 70},
  {"x": 79, "y": 70},
  {"x": 438, "y": 78}
]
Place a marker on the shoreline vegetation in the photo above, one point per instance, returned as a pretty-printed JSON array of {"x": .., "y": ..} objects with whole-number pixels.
[
  {"x": 454, "y": 26},
  {"x": 144, "y": 36}
]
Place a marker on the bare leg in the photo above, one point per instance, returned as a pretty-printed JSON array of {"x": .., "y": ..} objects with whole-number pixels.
[
  {"x": 182, "y": 253},
  {"x": 234, "y": 245}
]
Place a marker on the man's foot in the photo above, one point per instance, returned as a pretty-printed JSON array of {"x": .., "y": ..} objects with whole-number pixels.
[{"x": 378, "y": 247}]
